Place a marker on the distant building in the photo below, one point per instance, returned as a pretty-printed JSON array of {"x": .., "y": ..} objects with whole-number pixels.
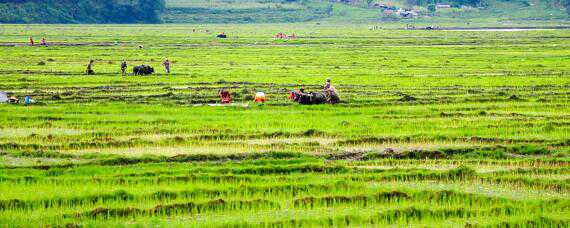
[
  {"x": 385, "y": 7},
  {"x": 376, "y": 5},
  {"x": 408, "y": 13},
  {"x": 389, "y": 12}
]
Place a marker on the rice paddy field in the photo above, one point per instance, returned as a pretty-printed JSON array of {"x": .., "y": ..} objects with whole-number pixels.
[{"x": 435, "y": 128}]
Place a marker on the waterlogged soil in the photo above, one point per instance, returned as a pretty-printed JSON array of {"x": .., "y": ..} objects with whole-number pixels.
[
  {"x": 313, "y": 188},
  {"x": 206, "y": 92},
  {"x": 430, "y": 130}
]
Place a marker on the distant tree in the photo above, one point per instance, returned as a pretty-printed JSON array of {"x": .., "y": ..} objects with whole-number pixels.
[
  {"x": 81, "y": 11},
  {"x": 431, "y": 6},
  {"x": 411, "y": 3},
  {"x": 329, "y": 11}
]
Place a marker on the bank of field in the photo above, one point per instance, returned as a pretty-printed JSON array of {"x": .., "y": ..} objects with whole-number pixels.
[{"x": 452, "y": 128}]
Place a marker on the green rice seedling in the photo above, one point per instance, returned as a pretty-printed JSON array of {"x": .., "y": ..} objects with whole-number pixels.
[{"x": 434, "y": 128}]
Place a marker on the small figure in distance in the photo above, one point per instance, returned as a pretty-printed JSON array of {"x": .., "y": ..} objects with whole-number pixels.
[
  {"x": 28, "y": 100},
  {"x": 89, "y": 70},
  {"x": 43, "y": 42},
  {"x": 330, "y": 93},
  {"x": 225, "y": 96},
  {"x": 124, "y": 68},
  {"x": 260, "y": 97},
  {"x": 31, "y": 41},
  {"x": 327, "y": 85},
  {"x": 166, "y": 65},
  {"x": 222, "y": 35}
]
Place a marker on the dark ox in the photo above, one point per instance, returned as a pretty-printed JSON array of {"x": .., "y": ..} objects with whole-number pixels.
[
  {"x": 314, "y": 98},
  {"x": 143, "y": 70}
]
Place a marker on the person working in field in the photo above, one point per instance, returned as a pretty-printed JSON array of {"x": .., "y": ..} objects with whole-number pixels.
[
  {"x": 166, "y": 64},
  {"x": 31, "y": 41},
  {"x": 43, "y": 42},
  {"x": 124, "y": 68},
  {"x": 222, "y": 35},
  {"x": 330, "y": 92},
  {"x": 225, "y": 96},
  {"x": 89, "y": 70},
  {"x": 327, "y": 85},
  {"x": 260, "y": 97}
]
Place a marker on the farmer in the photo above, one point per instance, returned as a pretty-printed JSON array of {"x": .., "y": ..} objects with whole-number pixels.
[
  {"x": 166, "y": 64},
  {"x": 43, "y": 42},
  {"x": 124, "y": 68},
  {"x": 330, "y": 92},
  {"x": 31, "y": 41},
  {"x": 225, "y": 96},
  {"x": 89, "y": 70},
  {"x": 222, "y": 35},
  {"x": 27, "y": 100},
  {"x": 260, "y": 97},
  {"x": 327, "y": 85}
]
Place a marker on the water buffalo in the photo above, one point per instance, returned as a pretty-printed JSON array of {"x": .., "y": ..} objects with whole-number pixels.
[
  {"x": 143, "y": 70},
  {"x": 314, "y": 98}
]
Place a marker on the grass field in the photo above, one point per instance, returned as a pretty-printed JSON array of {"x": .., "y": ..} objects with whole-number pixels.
[
  {"x": 491, "y": 12},
  {"x": 435, "y": 128}
]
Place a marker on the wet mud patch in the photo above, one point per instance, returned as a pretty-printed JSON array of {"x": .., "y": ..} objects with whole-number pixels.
[
  {"x": 329, "y": 201},
  {"x": 177, "y": 208}
]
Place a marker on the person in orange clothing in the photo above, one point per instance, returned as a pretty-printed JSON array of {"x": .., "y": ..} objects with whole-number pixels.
[{"x": 260, "y": 97}]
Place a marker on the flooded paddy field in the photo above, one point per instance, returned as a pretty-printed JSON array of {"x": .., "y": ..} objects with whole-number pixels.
[{"x": 434, "y": 128}]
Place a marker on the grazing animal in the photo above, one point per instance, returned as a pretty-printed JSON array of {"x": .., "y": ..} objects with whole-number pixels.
[
  {"x": 143, "y": 70},
  {"x": 313, "y": 98}
]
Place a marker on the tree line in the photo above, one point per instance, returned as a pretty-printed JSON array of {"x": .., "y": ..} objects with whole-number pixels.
[{"x": 81, "y": 11}]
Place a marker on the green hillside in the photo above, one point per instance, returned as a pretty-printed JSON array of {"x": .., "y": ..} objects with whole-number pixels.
[
  {"x": 81, "y": 11},
  {"x": 244, "y": 11},
  {"x": 268, "y": 11},
  {"x": 518, "y": 9},
  {"x": 276, "y": 11}
]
